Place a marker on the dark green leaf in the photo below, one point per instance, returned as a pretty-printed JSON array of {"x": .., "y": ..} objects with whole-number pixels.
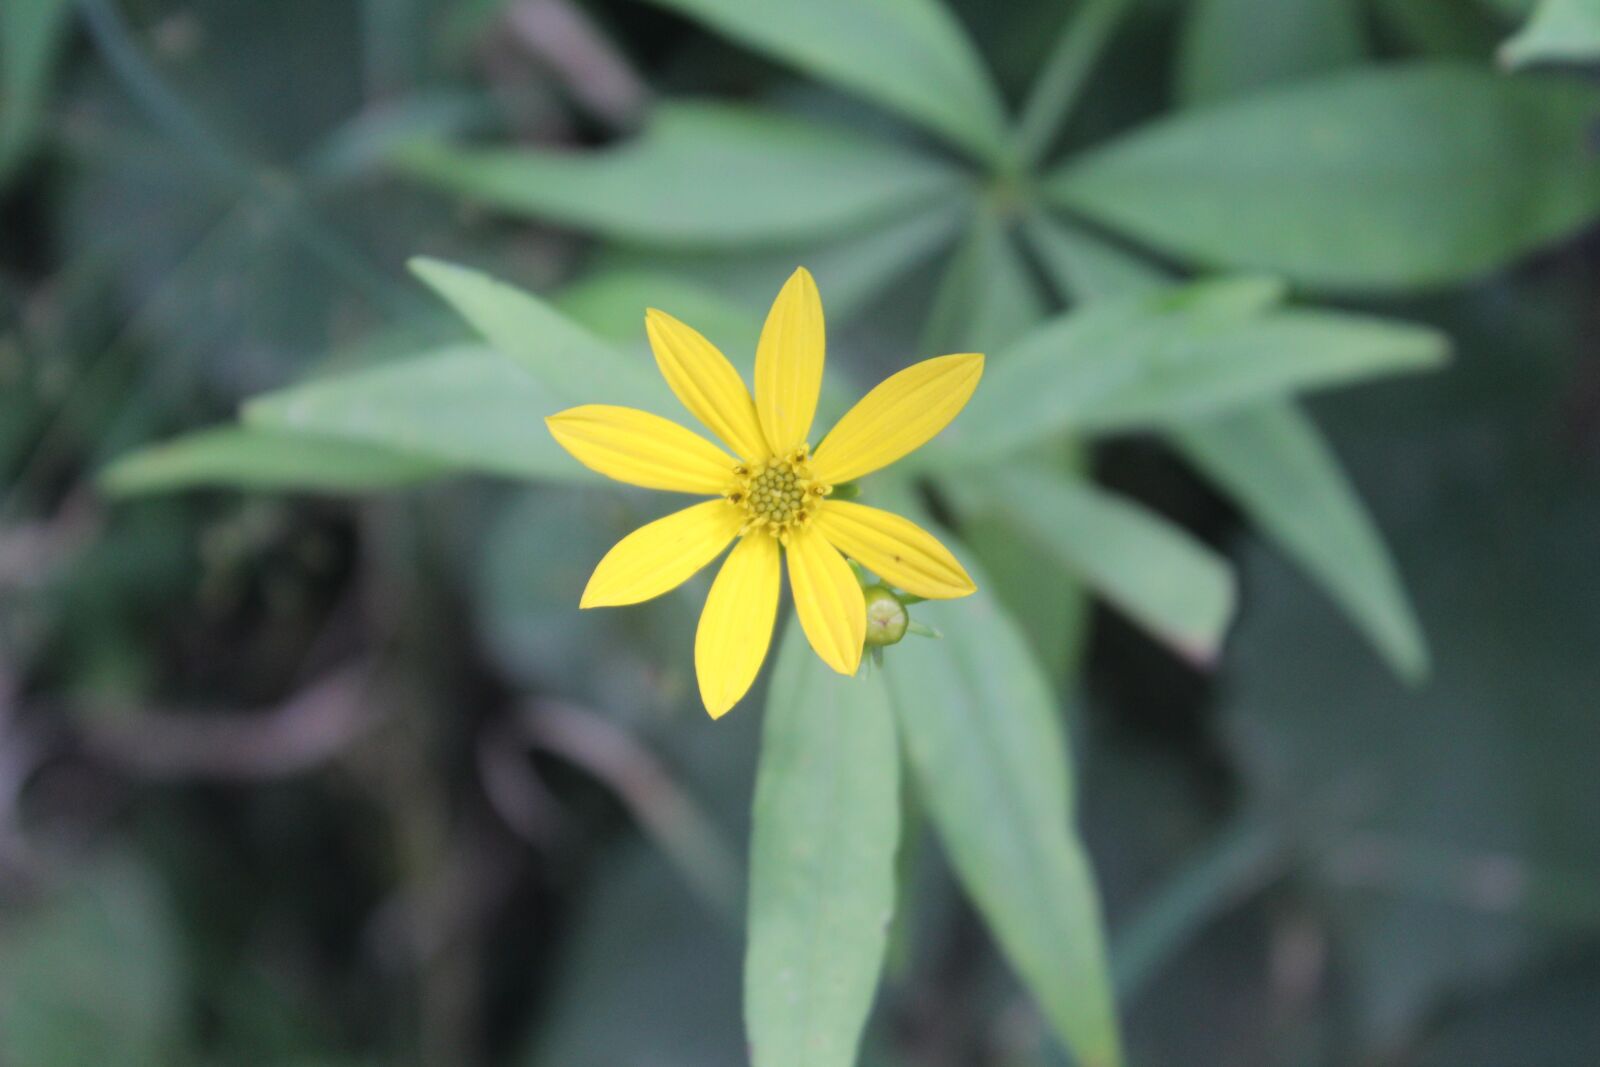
[
  {"x": 1388, "y": 178},
  {"x": 31, "y": 32},
  {"x": 822, "y": 861},
  {"x": 1233, "y": 47},
  {"x": 910, "y": 56},
  {"x": 701, "y": 175},
  {"x": 1087, "y": 267},
  {"x": 92, "y": 976},
  {"x": 981, "y": 729}
]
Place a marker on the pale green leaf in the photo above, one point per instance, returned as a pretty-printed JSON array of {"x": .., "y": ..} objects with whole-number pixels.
[
  {"x": 987, "y": 299},
  {"x": 1387, "y": 178},
  {"x": 31, "y": 34},
  {"x": 612, "y": 303},
  {"x": 1234, "y": 47},
  {"x": 1275, "y": 465},
  {"x": 1146, "y": 360},
  {"x": 910, "y": 56},
  {"x": 1271, "y": 459},
  {"x": 1156, "y": 573},
  {"x": 981, "y": 728},
  {"x": 256, "y": 458},
  {"x": 1560, "y": 31},
  {"x": 563, "y": 357},
  {"x": 822, "y": 861},
  {"x": 851, "y": 271},
  {"x": 701, "y": 175},
  {"x": 465, "y": 406}
]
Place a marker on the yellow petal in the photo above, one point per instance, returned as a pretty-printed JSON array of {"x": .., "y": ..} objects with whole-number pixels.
[
  {"x": 789, "y": 364},
  {"x": 642, "y": 449},
  {"x": 707, "y": 383},
  {"x": 895, "y": 549},
  {"x": 828, "y": 600},
  {"x": 736, "y": 625},
  {"x": 897, "y": 417},
  {"x": 662, "y": 555}
]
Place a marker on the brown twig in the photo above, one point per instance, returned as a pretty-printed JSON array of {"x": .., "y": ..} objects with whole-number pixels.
[
  {"x": 317, "y": 724},
  {"x": 565, "y": 39}
]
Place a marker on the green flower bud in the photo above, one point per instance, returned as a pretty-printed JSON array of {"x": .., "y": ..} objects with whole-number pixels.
[{"x": 886, "y": 617}]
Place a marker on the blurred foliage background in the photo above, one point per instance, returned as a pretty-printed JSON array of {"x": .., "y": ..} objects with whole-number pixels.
[{"x": 312, "y": 778}]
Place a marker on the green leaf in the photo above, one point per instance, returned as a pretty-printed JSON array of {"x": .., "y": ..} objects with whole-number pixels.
[
  {"x": 702, "y": 175},
  {"x": 612, "y": 302},
  {"x": 1235, "y": 47},
  {"x": 1087, "y": 267},
  {"x": 986, "y": 299},
  {"x": 31, "y": 34},
  {"x": 1156, "y": 573},
  {"x": 563, "y": 357},
  {"x": 1276, "y": 466},
  {"x": 851, "y": 271},
  {"x": 1560, "y": 31},
  {"x": 256, "y": 458},
  {"x": 1273, "y": 461},
  {"x": 466, "y": 406},
  {"x": 1391, "y": 178},
  {"x": 1176, "y": 354},
  {"x": 822, "y": 859},
  {"x": 910, "y": 56},
  {"x": 989, "y": 756}
]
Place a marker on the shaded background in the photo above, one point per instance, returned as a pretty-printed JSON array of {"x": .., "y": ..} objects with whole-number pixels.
[{"x": 296, "y": 780}]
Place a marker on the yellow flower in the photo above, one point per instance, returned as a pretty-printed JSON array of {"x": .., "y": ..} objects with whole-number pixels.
[{"x": 774, "y": 496}]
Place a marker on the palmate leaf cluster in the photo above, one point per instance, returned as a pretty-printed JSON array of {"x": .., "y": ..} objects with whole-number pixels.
[{"x": 1188, "y": 278}]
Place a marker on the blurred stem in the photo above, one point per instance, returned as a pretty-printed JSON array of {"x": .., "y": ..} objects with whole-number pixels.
[
  {"x": 1239, "y": 861},
  {"x": 1061, "y": 81}
]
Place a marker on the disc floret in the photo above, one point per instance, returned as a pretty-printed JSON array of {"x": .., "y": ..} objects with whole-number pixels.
[{"x": 779, "y": 494}]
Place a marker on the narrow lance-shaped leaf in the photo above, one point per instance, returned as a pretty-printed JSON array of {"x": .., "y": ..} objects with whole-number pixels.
[
  {"x": 1174, "y": 586},
  {"x": 1388, "y": 178},
  {"x": 1087, "y": 267},
  {"x": 701, "y": 175},
  {"x": 466, "y": 406},
  {"x": 986, "y": 299},
  {"x": 827, "y": 817},
  {"x": 1271, "y": 459},
  {"x": 256, "y": 458},
  {"x": 852, "y": 269},
  {"x": 1560, "y": 31},
  {"x": 910, "y": 56},
  {"x": 1276, "y": 466},
  {"x": 1122, "y": 364},
  {"x": 990, "y": 762},
  {"x": 562, "y": 357}
]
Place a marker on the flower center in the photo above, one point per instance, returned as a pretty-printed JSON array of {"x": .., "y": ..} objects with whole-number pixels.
[{"x": 778, "y": 495}]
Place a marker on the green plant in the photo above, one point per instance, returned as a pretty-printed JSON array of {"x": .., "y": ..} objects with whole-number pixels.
[{"x": 1367, "y": 181}]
